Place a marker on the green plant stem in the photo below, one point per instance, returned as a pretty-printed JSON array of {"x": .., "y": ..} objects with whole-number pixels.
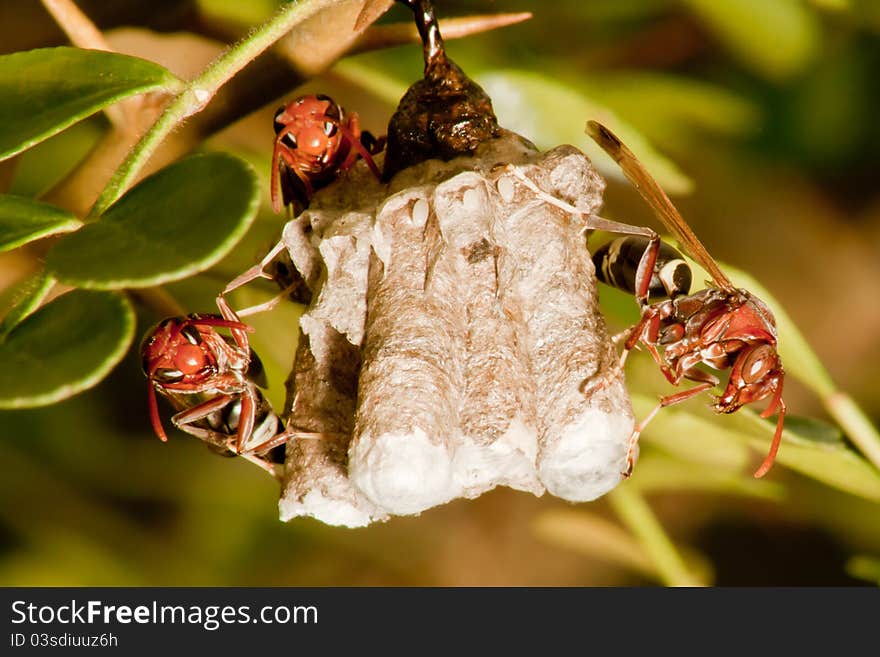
[
  {"x": 855, "y": 424},
  {"x": 635, "y": 513},
  {"x": 198, "y": 92}
]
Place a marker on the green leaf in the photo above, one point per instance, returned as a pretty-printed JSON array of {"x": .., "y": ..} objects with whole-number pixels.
[
  {"x": 44, "y": 91},
  {"x": 28, "y": 298},
  {"x": 813, "y": 430},
  {"x": 674, "y": 109},
  {"x": 832, "y": 463},
  {"x": 176, "y": 223},
  {"x": 864, "y": 567},
  {"x": 550, "y": 113},
  {"x": 24, "y": 220},
  {"x": 659, "y": 473},
  {"x": 592, "y": 536},
  {"x": 774, "y": 39},
  {"x": 67, "y": 346},
  {"x": 694, "y": 433}
]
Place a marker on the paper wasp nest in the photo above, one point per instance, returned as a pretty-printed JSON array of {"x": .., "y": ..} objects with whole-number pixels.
[{"x": 453, "y": 320}]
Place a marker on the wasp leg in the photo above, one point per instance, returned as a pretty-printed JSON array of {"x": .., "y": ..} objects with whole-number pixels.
[
  {"x": 263, "y": 463},
  {"x": 706, "y": 382},
  {"x": 246, "y": 420},
  {"x": 255, "y": 272},
  {"x": 271, "y": 303},
  {"x": 646, "y": 331},
  {"x": 184, "y": 420},
  {"x": 352, "y": 134},
  {"x": 201, "y": 411},
  {"x": 594, "y": 221}
]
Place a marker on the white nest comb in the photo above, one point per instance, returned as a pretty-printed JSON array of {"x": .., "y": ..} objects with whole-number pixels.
[{"x": 454, "y": 319}]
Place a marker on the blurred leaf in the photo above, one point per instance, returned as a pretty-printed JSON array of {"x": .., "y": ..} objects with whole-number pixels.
[
  {"x": 659, "y": 473},
  {"x": 593, "y": 536},
  {"x": 635, "y": 512},
  {"x": 179, "y": 221},
  {"x": 252, "y": 12},
  {"x": 66, "y": 347},
  {"x": 834, "y": 464},
  {"x": 23, "y": 220},
  {"x": 813, "y": 430},
  {"x": 40, "y": 168},
  {"x": 28, "y": 298},
  {"x": 832, "y": 5},
  {"x": 694, "y": 433},
  {"x": 372, "y": 78},
  {"x": 669, "y": 107},
  {"x": 550, "y": 113},
  {"x": 774, "y": 39},
  {"x": 867, "y": 13},
  {"x": 692, "y": 437},
  {"x": 864, "y": 567},
  {"x": 618, "y": 10},
  {"x": 46, "y": 90}
]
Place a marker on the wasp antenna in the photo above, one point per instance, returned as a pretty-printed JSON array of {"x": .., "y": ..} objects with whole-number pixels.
[
  {"x": 765, "y": 466},
  {"x": 154, "y": 415},
  {"x": 224, "y": 323}
]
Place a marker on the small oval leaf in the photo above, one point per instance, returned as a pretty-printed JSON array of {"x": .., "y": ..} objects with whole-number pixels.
[
  {"x": 674, "y": 109},
  {"x": 176, "y": 223},
  {"x": 45, "y": 90},
  {"x": 27, "y": 299},
  {"x": 24, "y": 220},
  {"x": 551, "y": 113},
  {"x": 774, "y": 39},
  {"x": 67, "y": 346}
]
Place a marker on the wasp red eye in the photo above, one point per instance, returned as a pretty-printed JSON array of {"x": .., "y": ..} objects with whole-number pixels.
[
  {"x": 330, "y": 129},
  {"x": 757, "y": 364},
  {"x": 191, "y": 333},
  {"x": 290, "y": 140},
  {"x": 333, "y": 111},
  {"x": 166, "y": 375}
]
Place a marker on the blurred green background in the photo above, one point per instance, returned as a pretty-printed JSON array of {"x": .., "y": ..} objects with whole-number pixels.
[{"x": 765, "y": 115}]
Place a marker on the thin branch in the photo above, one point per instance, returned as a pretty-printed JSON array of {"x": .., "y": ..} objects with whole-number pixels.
[
  {"x": 398, "y": 34},
  {"x": 83, "y": 33}
]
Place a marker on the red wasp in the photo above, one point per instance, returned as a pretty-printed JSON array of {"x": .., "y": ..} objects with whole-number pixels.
[
  {"x": 721, "y": 326},
  {"x": 214, "y": 384},
  {"x": 315, "y": 141}
]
